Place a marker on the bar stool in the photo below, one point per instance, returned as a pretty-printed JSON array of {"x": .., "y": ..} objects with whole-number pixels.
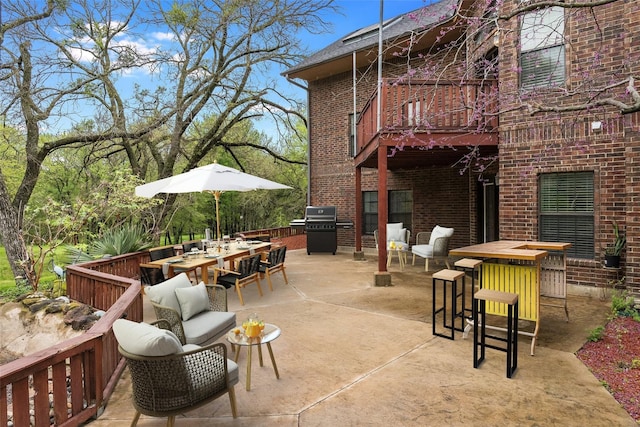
[
  {"x": 480, "y": 299},
  {"x": 469, "y": 265},
  {"x": 448, "y": 278}
]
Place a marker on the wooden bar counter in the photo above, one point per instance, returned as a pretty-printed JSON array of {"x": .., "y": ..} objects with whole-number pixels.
[{"x": 517, "y": 267}]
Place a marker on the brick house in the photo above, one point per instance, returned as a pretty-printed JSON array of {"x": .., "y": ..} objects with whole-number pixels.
[{"x": 514, "y": 129}]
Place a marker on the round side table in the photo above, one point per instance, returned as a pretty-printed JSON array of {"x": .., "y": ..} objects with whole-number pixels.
[{"x": 270, "y": 333}]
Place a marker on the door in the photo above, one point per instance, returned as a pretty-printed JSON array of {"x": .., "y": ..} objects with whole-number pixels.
[{"x": 488, "y": 216}]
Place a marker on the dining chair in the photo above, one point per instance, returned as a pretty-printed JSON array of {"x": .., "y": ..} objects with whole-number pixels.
[
  {"x": 187, "y": 246},
  {"x": 274, "y": 263},
  {"x": 151, "y": 274},
  {"x": 162, "y": 252},
  {"x": 247, "y": 271}
]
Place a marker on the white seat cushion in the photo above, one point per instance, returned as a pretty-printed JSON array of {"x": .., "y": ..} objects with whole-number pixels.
[
  {"x": 164, "y": 293},
  {"x": 208, "y": 326},
  {"x": 425, "y": 251},
  {"x": 438, "y": 232},
  {"x": 192, "y": 300},
  {"x": 144, "y": 339}
]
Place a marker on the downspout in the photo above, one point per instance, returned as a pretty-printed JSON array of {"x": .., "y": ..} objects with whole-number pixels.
[
  {"x": 306, "y": 89},
  {"x": 379, "y": 118}
]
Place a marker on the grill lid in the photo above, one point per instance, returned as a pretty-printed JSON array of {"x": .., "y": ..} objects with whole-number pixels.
[{"x": 320, "y": 213}]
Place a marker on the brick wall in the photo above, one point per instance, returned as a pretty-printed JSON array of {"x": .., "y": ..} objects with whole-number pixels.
[
  {"x": 599, "y": 43},
  {"x": 440, "y": 195},
  {"x": 603, "y": 43}
]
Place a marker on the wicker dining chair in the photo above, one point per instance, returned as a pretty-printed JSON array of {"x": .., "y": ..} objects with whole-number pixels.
[
  {"x": 161, "y": 252},
  {"x": 172, "y": 384}
]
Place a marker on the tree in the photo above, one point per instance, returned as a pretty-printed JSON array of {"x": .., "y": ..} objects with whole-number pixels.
[
  {"x": 111, "y": 205},
  {"x": 66, "y": 59},
  {"x": 530, "y": 41}
]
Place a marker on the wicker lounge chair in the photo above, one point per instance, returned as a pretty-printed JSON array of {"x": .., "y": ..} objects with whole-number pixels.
[
  {"x": 196, "y": 314},
  {"x": 432, "y": 245},
  {"x": 169, "y": 379}
]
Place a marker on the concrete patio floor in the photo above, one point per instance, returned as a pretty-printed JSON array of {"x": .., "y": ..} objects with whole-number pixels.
[{"x": 354, "y": 354}]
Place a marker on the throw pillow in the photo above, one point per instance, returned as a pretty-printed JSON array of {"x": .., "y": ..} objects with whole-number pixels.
[
  {"x": 439, "y": 232},
  {"x": 144, "y": 339},
  {"x": 164, "y": 293},
  {"x": 193, "y": 300},
  {"x": 393, "y": 231}
]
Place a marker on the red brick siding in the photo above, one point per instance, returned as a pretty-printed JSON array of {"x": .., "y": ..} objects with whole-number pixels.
[
  {"x": 440, "y": 195},
  {"x": 530, "y": 145}
]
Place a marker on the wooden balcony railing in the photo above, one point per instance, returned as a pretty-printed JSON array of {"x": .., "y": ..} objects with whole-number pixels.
[{"x": 430, "y": 106}]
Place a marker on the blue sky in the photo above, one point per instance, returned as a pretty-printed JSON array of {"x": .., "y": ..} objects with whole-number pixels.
[
  {"x": 356, "y": 14},
  {"x": 353, "y": 15}
]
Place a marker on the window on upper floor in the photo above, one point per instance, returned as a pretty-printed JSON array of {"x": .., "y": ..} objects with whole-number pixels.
[
  {"x": 542, "y": 55},
  {"x": 487, "y": 24},
  {"x": 567, "y": 211},
  {"x": 414, "y": 113},
  {"x": 353, "y": 149},
  {"x": 400, "y": 209}
]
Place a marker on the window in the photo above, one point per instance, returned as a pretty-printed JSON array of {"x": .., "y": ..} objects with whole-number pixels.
[
  {"x": 487, "y": 23},
  {"x": 353, "y": 149},
  {"x": 414, "y": 113},
  {"x": 400, "y": 209},
  {"x": 369, "y": 211},
  {"x": 542, "y": 49},
  {"x": 566, "y": 211}
]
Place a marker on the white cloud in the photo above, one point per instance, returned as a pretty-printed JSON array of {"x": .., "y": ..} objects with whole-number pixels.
[{"x": 163, "y": 36}]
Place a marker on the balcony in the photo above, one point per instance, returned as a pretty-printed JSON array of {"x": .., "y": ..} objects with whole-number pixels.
[{"x": 426, "y": 122}]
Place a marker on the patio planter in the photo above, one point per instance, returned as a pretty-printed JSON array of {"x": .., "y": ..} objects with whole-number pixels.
[{"x": 612, "y": 261}]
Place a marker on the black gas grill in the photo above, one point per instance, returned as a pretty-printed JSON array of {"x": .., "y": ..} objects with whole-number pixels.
[{"x": 321, "y": 229}]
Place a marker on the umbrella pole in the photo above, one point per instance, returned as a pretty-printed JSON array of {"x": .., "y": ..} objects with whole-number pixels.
[{"x": 216, "y": 194}]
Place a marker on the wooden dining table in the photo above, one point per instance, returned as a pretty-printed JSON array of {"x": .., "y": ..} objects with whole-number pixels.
[
  {"x": 203, "y": 260},
  {"x": 519, "y": 267}
]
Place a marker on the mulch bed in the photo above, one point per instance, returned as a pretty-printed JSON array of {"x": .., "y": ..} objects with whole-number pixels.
[{"x": 615, "y": 360}]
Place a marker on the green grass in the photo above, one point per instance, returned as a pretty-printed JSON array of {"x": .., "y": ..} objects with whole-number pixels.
[{"x": 7, "y": 280}]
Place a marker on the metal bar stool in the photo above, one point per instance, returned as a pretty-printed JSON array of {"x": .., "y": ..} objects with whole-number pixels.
[
  {"x": 480, "y": 300},
  {"x": 469, "y": 265},
  {"x": 448, "y": 278}
]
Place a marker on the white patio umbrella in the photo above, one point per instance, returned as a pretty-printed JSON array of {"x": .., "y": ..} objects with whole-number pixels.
[{"x": 213, "y": 178}]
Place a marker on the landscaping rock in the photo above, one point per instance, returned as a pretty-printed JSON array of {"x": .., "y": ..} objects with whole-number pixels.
[{"x": 80, "y": 318}]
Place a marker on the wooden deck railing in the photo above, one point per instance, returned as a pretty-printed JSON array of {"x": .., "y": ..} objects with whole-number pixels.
[
  {"x": 275, "y": 233},
  {"x": 67, "y": 384},
  {"x": 430, "y": 106}
]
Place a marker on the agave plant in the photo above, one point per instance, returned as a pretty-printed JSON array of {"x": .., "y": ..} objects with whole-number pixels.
[{"x": 123, "y": 240}]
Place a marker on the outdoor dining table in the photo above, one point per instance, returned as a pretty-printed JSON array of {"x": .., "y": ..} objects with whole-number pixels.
[
  {"x": 204, "y": 260},
  {"x": 517, "y": 267}
]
